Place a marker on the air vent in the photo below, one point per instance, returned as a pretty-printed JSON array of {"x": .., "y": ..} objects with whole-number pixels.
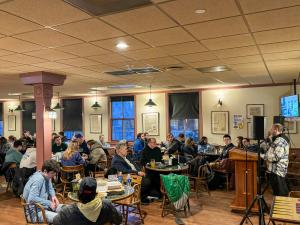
[
  {"x": 134, "y": 71},
  {"x": 213, "y": 69},
  {"x": 103, "y": 7},
  {"x": 171, "y": 68},
  {"x": 175, "y": 86}
]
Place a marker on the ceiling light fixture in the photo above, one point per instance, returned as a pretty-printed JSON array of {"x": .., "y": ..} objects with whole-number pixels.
[
  {"x": 58, "y": 106},
  {"x": 150, "y": 103},
  {"x": 214, "y": 69},
  {"x": 96, "y": 105},
  {"x": 122, "y": 45},
  {"x": 200, "y": 11},
  {"x": 19, "y": 107}
]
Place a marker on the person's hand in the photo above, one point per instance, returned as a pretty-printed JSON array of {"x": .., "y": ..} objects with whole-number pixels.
[
  {"x": 55, "y": 201},
  {"x": 53, "y": 206},
  {"x": 141, "y": 173}
]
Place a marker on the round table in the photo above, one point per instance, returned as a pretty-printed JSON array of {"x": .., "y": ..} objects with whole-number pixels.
[
  {"x": 161, "y": 168},
  {"x": 128, "y": 191}
]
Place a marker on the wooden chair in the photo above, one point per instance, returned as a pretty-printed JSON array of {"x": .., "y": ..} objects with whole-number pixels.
[
  {"x": 167, "y": 206},
  {"x": 96, "y": 171},
  {"x": 68, "y": 174},
  {"x": 9, "y": 175},
  {"x": 294, "y": 194},
  {"x": 134, "y": 201}
]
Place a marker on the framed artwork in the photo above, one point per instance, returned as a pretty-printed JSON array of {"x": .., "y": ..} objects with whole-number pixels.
[
  {"x": 11, "y": 123},
  {"x": 290, "y": 127},
  {"x": 95, "y": 123},
  {"x": 255, "y": 110},
  {"x": 150, "y": 123},
  {"x": 220, "y": 122},
  {"x": 249, "y": 130}
]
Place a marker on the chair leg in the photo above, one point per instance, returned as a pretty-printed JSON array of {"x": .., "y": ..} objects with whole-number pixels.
[
  {"x": 163, "y": 206},
  {"x": 126, "y": 215},
  {"x": 7, "y": 187},
  {"x": 227, "y": 183},
  {"x": 140, "y": 211},
  {"x": 206, "y": 186},
  {"x": 64, "y": 190}
]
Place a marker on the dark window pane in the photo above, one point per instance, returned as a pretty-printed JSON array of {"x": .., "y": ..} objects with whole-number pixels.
[
  {"x": 116, "y": 109},
  {"x": 128, "y": 130},
  {"x": 72, "y": 114},
  {"x": 27, "y": 122},
  {"x": 117, "y": 131},
  {"x": 1, "y": 128},
  {"x": 187, "y": 126},
  {"x": 70, "y": 133},
  {"x": 128, "y": 109}
]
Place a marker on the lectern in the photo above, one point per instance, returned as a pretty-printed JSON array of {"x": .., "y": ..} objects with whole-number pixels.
[{"x": 239, "y": 158}]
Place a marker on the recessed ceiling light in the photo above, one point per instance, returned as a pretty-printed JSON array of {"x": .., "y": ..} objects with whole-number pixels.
[
  {"x": 200, "y": 11},
  {"x": 98, "y": 88},
  {"x": 122, "y": 45},
  {"x": 213, "y": 69},
  {"x": 14, "y": 94}
]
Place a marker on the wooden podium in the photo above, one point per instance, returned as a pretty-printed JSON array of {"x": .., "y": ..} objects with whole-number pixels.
[{"x": 239, "y": 158}]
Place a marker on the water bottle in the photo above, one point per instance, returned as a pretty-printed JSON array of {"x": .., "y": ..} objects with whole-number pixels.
[
  {"x": 128, "y": 180},
  {"x": 120, "y": 177}
]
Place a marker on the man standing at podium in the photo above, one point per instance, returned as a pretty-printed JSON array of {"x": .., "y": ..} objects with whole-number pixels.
[{"x": 277, "y": 157}]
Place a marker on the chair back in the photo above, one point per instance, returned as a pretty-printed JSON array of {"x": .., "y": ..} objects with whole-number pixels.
[
  {"x": 31, "y": 212},
  {"x": 202, "y": 171},
  {"x": 68, "y": 173},
  {"x": 294, "y": 194},
  {"x": 136, "y": 181}
]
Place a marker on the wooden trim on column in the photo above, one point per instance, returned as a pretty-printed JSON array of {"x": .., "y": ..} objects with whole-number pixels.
[
  {"x": 167, "y": 114},
  {"x": 200, "y": 121}
]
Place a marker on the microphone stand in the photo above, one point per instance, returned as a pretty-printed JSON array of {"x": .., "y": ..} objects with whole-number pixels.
[{"x": 246, "y": 190}]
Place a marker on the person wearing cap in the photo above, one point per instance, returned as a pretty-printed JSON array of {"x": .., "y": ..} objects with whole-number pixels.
[
  {"x": 90, "y": 210},
  {"x": 39, "y": 189},
  {"x": 83, "y": 148}
]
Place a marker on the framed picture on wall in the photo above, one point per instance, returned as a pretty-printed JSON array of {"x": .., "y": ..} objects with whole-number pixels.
[
  {"x": 220, "y": 122},
  {"x": 12, "y": 123},
  {"x": 255, "y": 110},
  {"x": 95, "y": 123},
  {"x": 290, "y": 127},
  {"x": 150, "y": 123},
  {"x": 249, "y": 130}
]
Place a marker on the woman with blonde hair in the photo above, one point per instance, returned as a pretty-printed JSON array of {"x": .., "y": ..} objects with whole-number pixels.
[
  {"x": 189, "y": 150},
  {"x": 71, "y": 156}
]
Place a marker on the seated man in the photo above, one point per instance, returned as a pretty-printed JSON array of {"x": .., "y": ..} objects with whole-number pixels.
[
  {"x": 14, "y": 155},
  {"x": 151, "y": 151},
  {"x": 96, "y": 154},
  {"x": 122, "y": 164},
  {"x": 173, "y": 145},
  {"x": 58, "y": 145},
  {"x": 90, "y": 210},
  {"x": 228, "y": 146},
  {"x": 83, "y": 148},
  {"x": 39, "y": 189}
]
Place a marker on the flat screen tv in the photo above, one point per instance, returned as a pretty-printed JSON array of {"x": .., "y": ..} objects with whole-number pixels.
[{"x": 290, "y": 106}]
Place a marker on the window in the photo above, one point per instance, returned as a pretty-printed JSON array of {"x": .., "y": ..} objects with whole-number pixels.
[
  {"x": 184, "y": 115},
  {"x": 72, "y": 117},
  {"x": 122, "y": 118},
  {"x": 27, "y": 122},
  {"x": 1, "y": 119}
]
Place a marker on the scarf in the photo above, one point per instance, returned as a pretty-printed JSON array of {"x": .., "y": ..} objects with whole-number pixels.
[{"x": 92, "y": 209}]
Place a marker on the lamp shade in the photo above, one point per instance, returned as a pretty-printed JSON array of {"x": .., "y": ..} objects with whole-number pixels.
[
  {"x": 96, "y": 105},
  {"x": 58, "y": 107},
  {"x": 150, "y": 103},
  {"x": 19, "y": 108},
  {"x": 51, "y": 114}
]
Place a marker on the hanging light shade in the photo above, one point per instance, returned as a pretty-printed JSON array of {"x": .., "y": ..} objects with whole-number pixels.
[
  {"x": 150, "y": 102},
  {"x": 58, "y": 106},
  {"x": 51, "y": 114},
  {"x": 19, "y": 107},
  {"x": 96, "y": 105}
]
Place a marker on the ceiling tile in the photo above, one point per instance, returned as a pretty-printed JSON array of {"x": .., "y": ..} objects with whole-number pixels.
[
  {"x": 207, "y": 63},
  {"x": 164, "y": 61},
  {"x": 140, "y": 20},
  {"x": 26, "y": 68},
  {"x": 47, "y": 13},
  {"x": 83, "y": 49},
  {"x": 145, "y": 53},
  {"x": 235, "y": 52},
  {"x": 13, "y": 44},
  {"x": 218, "y": 28},
  {"x": 274, "y": 19},
  {"x": 6, "y": 64},
  {"x": 196, "y": 57},
  {"x": 243, "y": 59},
  {"x": 184, "y": 10},
  {"x": 50, "y": 54},
  {"x": 263, "y": 5},
  {"x": 165, "y": 37},
  {"x": 229, "y": 77},
  {"x": 279, "y": 35},
  {"x": 281, "y": 55},
  {"x": 110, "y": 44},
  {"x": 280, "y": 47},
  {"x": 10, "y": 24},
  {"x": 183, "y": 48},
  {"x": 78, "y": 62},
  {"x": 23, "y": 59},
  {"x": 99, "y": 68},
  {"x": 51, "y": 65},
  {"x": 228, "y": 42},
  {"x": 4, "y": 52},
  {"x": 90, "y": 30},
  {"x": 283, "y": 63},
  {"x": 262, "y": 79},
  {"x": 109, "y": 58},
  {"x": 48, "y": 37},
  {"x": 250, "y": 69}
]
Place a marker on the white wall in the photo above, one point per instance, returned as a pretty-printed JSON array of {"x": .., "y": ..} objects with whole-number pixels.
[
  {"x": 6, "y": 107},
  {"x": 235, "y": 100},
  {"x": 160, "y": 100},
  {"x": 87, "y": 110}
]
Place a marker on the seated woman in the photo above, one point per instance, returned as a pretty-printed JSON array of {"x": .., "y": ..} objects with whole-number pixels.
[
  {"x": 96, "y": 154},
  {"x": 71, "y": 156},
  {"x": 189, "y": 150},
  {"x": 239, "y": 142},
  {"x": 90, "y": 210}
]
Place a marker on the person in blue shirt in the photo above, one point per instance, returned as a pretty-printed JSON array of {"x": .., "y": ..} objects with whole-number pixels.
[
  {"x": 203, "y": 146},
  {"x": 139, "y": 145}
]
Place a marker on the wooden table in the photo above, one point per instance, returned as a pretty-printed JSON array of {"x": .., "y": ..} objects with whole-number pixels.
[
  {"x": 161, "y": 168},
  {"x": 283, "y": 209}
]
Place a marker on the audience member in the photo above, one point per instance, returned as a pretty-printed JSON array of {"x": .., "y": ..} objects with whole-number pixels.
[
  {"x": 239, "y": 142},
  {"x": 29, "y": 158},
  {"x": 71, "y": 156},
  {"x": 228, "y": 146},
  {"x": 62, "y": 135},
  {"x": 4, "y": 147},
  {"x": 104, "y": 145},
  {"x": 96, "y": 154},
  {"x": 11, "y": 140},
  {"x": 58, "y": 145},
  {"x": 39, "y": 189},
  {"x": 173, "y": 145},
  {"x": 14, "y": 155},
  {"x": 139, "y": 145},
  {"x": 83, "y": 148},
  {"x": 151, "y": 151},
  {"x": 246, "y": 142},
  {"x": 189, "y": 149},
  {"x": 90, "y": 210},
  {"x": 203, "y": 146},
  {"x": 147, "y": 137}
]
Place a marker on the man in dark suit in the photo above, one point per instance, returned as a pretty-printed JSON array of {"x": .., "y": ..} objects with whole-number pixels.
[{"x": 122, "y": 164}]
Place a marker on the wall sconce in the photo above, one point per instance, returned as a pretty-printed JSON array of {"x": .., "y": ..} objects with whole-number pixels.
[
  {"x": 10, "y": 110},
  {"x": 220, "y": 103}
]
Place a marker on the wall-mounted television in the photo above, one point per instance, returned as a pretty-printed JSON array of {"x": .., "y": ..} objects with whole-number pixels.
[{"x": 290, "y": 106}]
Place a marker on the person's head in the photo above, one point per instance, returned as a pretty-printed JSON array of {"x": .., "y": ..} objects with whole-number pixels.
[
  {"x": 101, "y": 138},
  {"x": 11, "y": 138},
  {"x": 90, "y": 143},
  {"x": 203, "y": 141},
  {"x": 121, "y": 148},
  {"x": 18, "y": 145},
  {"x": 50, "y": 168},
  {"x": 54, "y": 135},
  {"x": 152, "y": 143},
  {"x": 276, "y": 129},
  {"x": 239, "y": 141},
  {"x": 3, "y": 140},
  {"x": 146, "y": 135},
  {"x": 227, "y": 139},
  {"x": 87, "y": 190},
  {"x": 181, "y": 137},
  {"x": 79, "y": 138},
  {"x": 72, "y": 148},
  {"x": 61, "y": 133},
  {"x": 189, "y": 142},
  {"x": 57, "y": 140},
  {"x": 138, "y": 136},
  {"x": 170, "y": 137},
  {"x": 246, "y": 142}
]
